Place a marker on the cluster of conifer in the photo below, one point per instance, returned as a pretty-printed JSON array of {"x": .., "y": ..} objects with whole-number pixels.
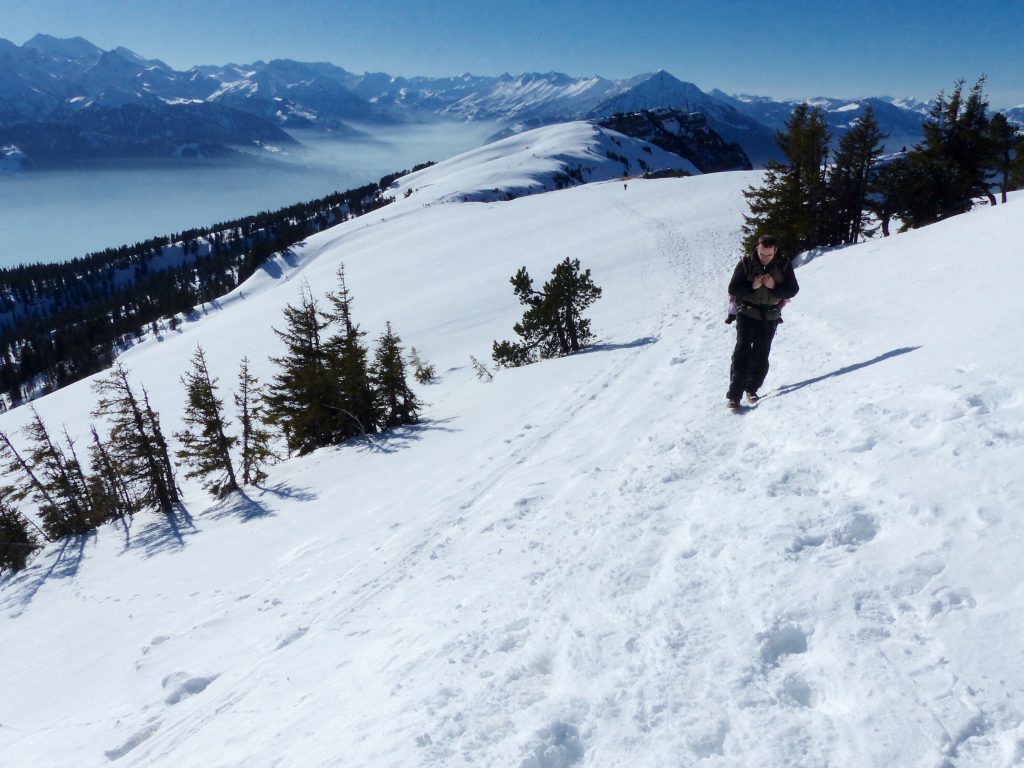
[
  {"x": 809, "y": 202},
  {"x": 553, "y": 324},
  {"x": 326, "y": 390},
  {"x": 131, "y": 470},
  {"x": 62, "y": 322}
]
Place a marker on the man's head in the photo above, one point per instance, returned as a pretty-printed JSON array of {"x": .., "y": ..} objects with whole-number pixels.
[{"x": 766, "y": 249}]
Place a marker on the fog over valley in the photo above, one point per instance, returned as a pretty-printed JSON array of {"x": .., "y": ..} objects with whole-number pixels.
[{"x": 89, "y": 209}]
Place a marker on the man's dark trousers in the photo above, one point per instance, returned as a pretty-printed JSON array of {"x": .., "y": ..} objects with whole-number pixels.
[{"x": 750, "y": 356}]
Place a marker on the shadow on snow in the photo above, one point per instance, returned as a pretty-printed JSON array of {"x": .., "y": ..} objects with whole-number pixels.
[
  {"x": 788, "y": 388},
  {"x": 397, "y": 438},
  {"x": 62, "y": 563},
  {"x": 642, "y": 342},
  {"x": 239, "y": 504},
  {"x": 164, "y": 532}
]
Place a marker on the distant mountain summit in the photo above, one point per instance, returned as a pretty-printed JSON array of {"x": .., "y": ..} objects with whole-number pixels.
[
  {"x": 902, "y": 124},
  {"x": 663, "y": 91},
  {"x": 47, "y": 84},
  {"x": 72, "y": 48}
]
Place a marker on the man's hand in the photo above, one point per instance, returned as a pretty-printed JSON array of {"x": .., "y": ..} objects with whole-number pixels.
[
  {"x": 758, "y": 281},
  {"x": 768, "y": 281}
]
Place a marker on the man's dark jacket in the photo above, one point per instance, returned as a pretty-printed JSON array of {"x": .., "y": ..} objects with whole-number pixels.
[{"x": 763, "y": 303}]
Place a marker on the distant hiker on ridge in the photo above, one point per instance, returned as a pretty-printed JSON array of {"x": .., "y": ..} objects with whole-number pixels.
[{"x": 762, "y": 282}]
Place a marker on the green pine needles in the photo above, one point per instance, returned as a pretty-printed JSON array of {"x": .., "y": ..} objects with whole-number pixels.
[
  {"x": 326, "y": 390},
  {"x": 553, "y": 324},
  {"x": 205, "y": 445}
]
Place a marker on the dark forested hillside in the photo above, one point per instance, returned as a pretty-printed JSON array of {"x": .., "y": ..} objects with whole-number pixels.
[{"x": 62, "y": 322}]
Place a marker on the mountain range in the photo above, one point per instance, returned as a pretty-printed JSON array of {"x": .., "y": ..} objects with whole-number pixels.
[{"x": 63, "y": 100}]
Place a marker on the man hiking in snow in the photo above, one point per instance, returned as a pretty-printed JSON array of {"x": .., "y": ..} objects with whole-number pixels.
[{"x": 762, "y": 282}]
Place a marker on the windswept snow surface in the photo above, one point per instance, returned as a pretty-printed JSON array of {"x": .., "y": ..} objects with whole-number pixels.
[
  {"x": 589, "y": 561},
  {"x": 529, "y": 162}
]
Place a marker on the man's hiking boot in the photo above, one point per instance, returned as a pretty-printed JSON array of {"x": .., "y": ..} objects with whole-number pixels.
[
  {"x": 753, "y": 397},
  {"x": 733, "y": 403}
]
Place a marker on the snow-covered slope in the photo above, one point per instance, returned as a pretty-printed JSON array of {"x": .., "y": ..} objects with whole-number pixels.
[
  {"x": 538, "y": 161},
  {"x": 589, "y": 561}
]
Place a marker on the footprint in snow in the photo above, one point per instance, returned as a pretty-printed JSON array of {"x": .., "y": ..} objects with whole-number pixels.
[
  {"x": 784, "y": 640},
  {"x": 291, "y": 637},
  {"x": 132, "y": 742},
  {"x": 860, "y": 528},
  {"x": 182, "y": 685},
  {"x": 557, "y": 746},
  {"x": 946, "y": 600}
]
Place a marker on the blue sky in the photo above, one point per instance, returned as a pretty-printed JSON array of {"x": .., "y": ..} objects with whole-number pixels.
[{"x": 787, "y": 48}]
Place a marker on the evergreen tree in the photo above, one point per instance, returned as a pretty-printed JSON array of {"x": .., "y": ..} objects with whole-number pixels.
[
  {"x": 1004, "y": 141},
  {"x": 553, "y": 324},
  {"x": 423, "y": 372},
  {"x": 53, "y": 478},
  {"x": 481, "y": 370},
  {"x": 17, "y": 542},
  {"x": 1017, "y": 165},
  {"x": 955, "y": 155},
  {"x": 163, "y": 453},
  {"x": 850, "y": 178},
  {"x": 256, "y": 450},
  {"x": 302, "y": 395},
  {"x": 30, "y": 485},
  {"x": 396, "y": 402},
  {"x": 356, "y": 412},
  {"x": 136, "y": 444},
  {"x": 908, "y": 188},
  {"x": 774, "y": 207},
  {"x": 108, "y": 486},
  {"x": 205, "y": 445},
  {"x": 792, "y": 203},
  {"x": 571, "y": 292}
]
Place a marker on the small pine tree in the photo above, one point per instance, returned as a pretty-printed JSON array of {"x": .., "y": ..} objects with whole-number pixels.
[
  {"x": 205, "y": 445},
  {"x": 17, "y": 541},
  {"x": 163, "y": 454},
  {"x": 396, "y": 402},
  {"x": 1003, "y": 138},
  {"x": 850, "y": 180},
  {"x": 30, "y": 485},
  {"x": 54, "y": 479},
  {"x": 108, "y": 487},
  {"x": 553, "y": 324},
  {"x": 1017, "y": 164},
  {"x": 950, "y": 168},
  {"x": 133, "y": 444},
  {"x": 256, "y": 450},
  {"x": 423, "y": 372},
  {"x": 903, "y": 189},
  {"x": 480, "y": 369},
  {"x": 348, "y": 368},
  {"x": 301, "y": 396},
  {"x": 570, "y": 292},
  {"x": 792, "y": 203}
]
